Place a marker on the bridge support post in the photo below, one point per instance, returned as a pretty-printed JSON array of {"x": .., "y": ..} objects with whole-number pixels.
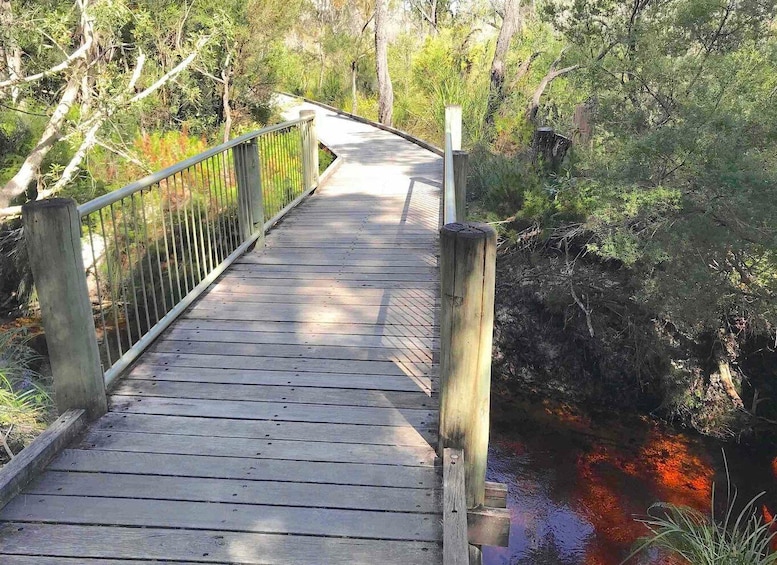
[
  {"x": 467, "y": 272},
  {"x": 249, "y": 188},
  {"x": 460, "y": 169},
  {"x": 309, "y": 149},
  {"x": 52, "y": 233}
]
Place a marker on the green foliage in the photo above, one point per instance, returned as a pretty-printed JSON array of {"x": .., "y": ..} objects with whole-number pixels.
[
  {"x": 734, "y": 539},
  {"x": 24, "y": 402}
]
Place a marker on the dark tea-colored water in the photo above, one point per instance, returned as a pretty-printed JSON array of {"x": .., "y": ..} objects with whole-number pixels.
[{"x": 575, "y": 485}]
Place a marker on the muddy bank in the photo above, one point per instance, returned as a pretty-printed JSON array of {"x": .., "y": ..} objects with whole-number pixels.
[{"x": 577, "y": 332}]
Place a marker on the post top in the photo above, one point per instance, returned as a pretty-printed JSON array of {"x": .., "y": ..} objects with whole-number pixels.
[
  {"x": 49, "y": 203},
  {"x": 468, "y": 230}
]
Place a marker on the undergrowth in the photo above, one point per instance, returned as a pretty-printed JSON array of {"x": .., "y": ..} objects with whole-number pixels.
[{"x": 25, "y": 404}]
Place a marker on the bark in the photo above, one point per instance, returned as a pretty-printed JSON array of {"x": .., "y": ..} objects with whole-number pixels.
[
  {"x": 11, "y": 52},
  {"x": 385, "y": 90},
  {"x": 553, "y": 73},
  {"x": 30, "y": 169},
  {"x": 496, "y": 88},
  {"x": 225, "y": 97},
  {"x": 354, "y": 97}
]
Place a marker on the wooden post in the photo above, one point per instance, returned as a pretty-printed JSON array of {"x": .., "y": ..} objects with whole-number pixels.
[
  {"x": 467, "y": 272},
  {"x": 309, "y": 150},
  {"x": 453, "y": 124},
  {"x": 249, "y": 186},
  {"x": 460, "y": 169},
  {"x": 52, "y": 232}
]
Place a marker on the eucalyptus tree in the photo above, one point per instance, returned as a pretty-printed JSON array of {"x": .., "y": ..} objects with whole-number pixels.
[{"x": 84, "y": 63}]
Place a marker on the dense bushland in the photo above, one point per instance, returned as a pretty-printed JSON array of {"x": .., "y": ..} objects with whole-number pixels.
[{"x": 646, "y": 255}]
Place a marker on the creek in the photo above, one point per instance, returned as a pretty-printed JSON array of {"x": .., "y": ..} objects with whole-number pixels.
[{"x": 576, "y": 482}]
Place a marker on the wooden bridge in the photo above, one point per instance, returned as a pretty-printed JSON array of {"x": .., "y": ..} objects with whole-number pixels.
[{"x": 285, "y": 408}]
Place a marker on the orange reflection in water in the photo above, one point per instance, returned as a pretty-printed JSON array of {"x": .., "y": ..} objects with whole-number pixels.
[{"x": 665, "y": 465}]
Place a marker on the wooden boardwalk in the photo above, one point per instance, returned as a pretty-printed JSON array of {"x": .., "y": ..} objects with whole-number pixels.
[{"x": 290, "y": 415}]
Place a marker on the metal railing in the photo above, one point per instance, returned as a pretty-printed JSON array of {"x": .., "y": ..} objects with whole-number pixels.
[{"x": 153, "y": 246}]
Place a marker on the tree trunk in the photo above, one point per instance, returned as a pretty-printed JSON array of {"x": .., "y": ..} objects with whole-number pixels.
[
  {"x": 552, "y": 74},
  {"x": 385, "y": 90},
  {"x": 354, "y": 97},
  {"x": 12, "y": 53},
  {"x": 506, "y": 32},
  {"x": 225, "y": 102}
]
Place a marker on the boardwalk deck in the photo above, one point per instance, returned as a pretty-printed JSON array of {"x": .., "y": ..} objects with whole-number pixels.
[{"x": 290, "y": 415}]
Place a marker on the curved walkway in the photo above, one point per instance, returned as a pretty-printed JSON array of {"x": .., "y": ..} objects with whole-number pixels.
[{"x": 289, "y": 416}]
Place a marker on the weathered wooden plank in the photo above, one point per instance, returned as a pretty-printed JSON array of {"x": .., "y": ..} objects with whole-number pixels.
[
  {"x": 496, "y": 495},
  {"x": 230, "y": 517},
  {"x": 300, "y": 451},
  {"x": 7, "y": 559},
  {"x": 366, "y": 282},
  {"x": 302, "y": 351},
  {"x": 238, "y": 492},
  {"x": 287, "y": 393},
  {"x": 396, "y": 367},
  {"x": 396, "y": 436},
  {"x": 147, "y": 371},
  {"x": 393, "y": 311},
  {"x": 454, "y": 509},
  {"x": 25, "y": 466},
  {"x": 339, "y": 276},
  {"x": 373, "y": 315},
  {"x": 255, "y": 291},
  {"x": 311, "y": 328},
  {"x": 201, "y": 546},
  {"x": 155, "y": 464},
  {"x": 273, "y": 411},
  {"x": 488, "y": 526},
  {"x": 210, "y": 333},
  {"x": 336, "y": 269}
]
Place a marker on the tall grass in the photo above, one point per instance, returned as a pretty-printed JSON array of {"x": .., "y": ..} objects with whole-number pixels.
[
  {"x": 731, "y": 539},
  {"x": 25, "y": 404}
]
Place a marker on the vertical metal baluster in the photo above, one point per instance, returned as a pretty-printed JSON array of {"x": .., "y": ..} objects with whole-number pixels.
[
  {"x": 206, "y": 192},
  {"x": 148, "y": 260},
  {"x": 99, "y": 292},
  {"x": 243, "y": 197},
  {"x": 189, "y": 277},
  {"x": 196, "y": 223},
  {"x": 233, "y": 192},
  {"x": 218, "y": 227},
  {"x": 291, "y": 194},
  {"x": 216, "y": 168},
  {"x": 121, "y": 278},
  {"x": 180, "y": 236},
  {"x": 191, "y": 234},
  {"x": 177, "y": 237},
  {"x": 264, "y": 176},
  {"x": 131, "y": 268},
  {"x": 167, "y": 251},
  {"x": 202, "y": 259},
  {"x": 111, "y": 279},
  {"x": 224, "y": 162},
  {"x": 140, "y": 261},
  {"x": 281, "y": 169},
  {"x": 175, "y": 246},
  {"x": 300, "y": 174},
  {"x": 274, "y": 175}
]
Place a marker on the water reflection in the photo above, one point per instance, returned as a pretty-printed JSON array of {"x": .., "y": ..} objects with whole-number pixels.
[{"x": 575, "y": 485}]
